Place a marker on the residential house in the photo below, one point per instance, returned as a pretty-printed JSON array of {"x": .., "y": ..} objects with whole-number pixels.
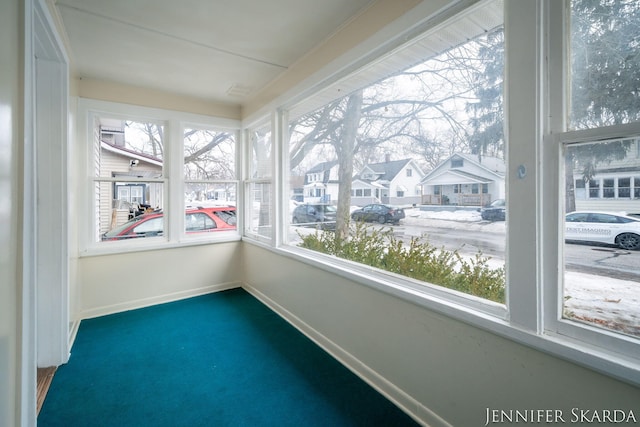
[
  {"x": 465, "y": 180},
  {"x": 321, "y": 183},
  {"x": 395, "y": 182},
  {"x": 444, "y": 358},
  {"x": 615, "y": 185}
]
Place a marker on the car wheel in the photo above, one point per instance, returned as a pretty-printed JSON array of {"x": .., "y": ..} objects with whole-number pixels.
[
  {"x": 628, "y": 241},
  {"x": 382, "y": 219}
]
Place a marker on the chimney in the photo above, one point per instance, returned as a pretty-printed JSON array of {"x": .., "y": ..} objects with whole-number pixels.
[{"x": 387, "y": 157}]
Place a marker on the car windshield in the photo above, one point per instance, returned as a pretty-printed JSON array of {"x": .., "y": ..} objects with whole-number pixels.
[{"x": 497, "y": 203}]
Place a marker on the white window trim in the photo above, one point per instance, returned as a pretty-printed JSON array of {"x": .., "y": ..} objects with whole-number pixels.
[
  {"x": 533, "y": 298},
  {"x": 248, "y": 181},
  {"x": 173, "y": 176}
]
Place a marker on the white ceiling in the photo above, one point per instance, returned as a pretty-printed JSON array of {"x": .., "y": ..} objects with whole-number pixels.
[{"x": 221, "y": 50}]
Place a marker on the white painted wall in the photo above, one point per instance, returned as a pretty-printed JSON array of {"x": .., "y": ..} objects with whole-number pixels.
[
  {"x": 436, "y": 366},
  {"x": 10, "y": 200},
  {"x": 113, "y": 283}
]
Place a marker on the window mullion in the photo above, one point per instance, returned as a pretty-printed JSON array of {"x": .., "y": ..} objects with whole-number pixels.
[
  {"x": 174, "y": 170},
  {"x": 523, "y": 113}
]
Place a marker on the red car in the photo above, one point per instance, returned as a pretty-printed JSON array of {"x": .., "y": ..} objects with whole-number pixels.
[{"x": 196, "y": 220}]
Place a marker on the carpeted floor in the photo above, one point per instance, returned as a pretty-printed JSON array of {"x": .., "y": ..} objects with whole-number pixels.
[{"x": 223, "y": 359}]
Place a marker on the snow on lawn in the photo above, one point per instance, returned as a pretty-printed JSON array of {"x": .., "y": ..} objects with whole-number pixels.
[
  {"x": 459, "y": 215},
  {"x": 604, "y": 301}
]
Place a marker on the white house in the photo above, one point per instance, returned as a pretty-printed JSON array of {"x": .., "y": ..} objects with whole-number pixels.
[
  {"x": 396, "y": 182},
  {"x": 615, "y": 185},
  {"x": 465, "y": 180},
  {"x": 321, "y": 183}
]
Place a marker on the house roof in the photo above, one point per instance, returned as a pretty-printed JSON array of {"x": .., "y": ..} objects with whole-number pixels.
[
  {"x": 385, "y": 171},
  {"x": 131, "y": 154},
  {"x": 322, "y": 167},
  {"x": 490, "y": 169},
  {"x": 453, "y": 176}
]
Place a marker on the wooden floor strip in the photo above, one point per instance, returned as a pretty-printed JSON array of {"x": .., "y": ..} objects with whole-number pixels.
[{"x": 45, "y": 375}]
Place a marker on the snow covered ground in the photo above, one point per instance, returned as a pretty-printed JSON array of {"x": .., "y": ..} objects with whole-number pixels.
[{"x": 600, "y": 300}]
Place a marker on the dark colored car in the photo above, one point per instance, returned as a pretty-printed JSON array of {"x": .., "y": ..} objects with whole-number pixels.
[
  {"x": 378, "y": 212},
  {"x": 495, "y": 211},
  {"x": 313, "y": 213},
  {"x": 196, "y": 220}
]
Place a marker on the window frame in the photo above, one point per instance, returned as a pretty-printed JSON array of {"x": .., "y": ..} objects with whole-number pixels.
[
  {"x": 269, "y": 180},
  {"x": 617, "y": 349},
  {"x": 172, "y": 179},
  {"x": 215, "y": 128}
]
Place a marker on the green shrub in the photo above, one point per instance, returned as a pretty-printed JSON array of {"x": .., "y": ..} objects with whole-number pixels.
[{"x": 417, "y": 259}]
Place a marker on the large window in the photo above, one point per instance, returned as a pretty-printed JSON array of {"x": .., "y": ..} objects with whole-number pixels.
[
  {"x": 600, "y": 162},
  {"x": 433, "y": 122},
  {"x": 157, "y": 180}
]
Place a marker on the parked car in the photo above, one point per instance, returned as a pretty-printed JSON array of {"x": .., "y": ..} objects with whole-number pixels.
[
  {"x": 196, "y": 220},
  {"x": 495, "y": 211},
  {"x": 603, "y": 227},
  {"x": 313, "y": 213},
  {"x": 378, "y": 212}
]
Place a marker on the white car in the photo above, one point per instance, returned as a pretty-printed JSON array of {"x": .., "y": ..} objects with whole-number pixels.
[{"x": 603, "y": 227}]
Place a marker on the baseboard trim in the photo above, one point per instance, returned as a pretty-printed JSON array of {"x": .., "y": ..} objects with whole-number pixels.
[
  {"x": 160, "y": 299},
  {"x": 404, "y": 401}
]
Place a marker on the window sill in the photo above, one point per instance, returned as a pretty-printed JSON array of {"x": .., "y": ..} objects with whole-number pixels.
[
  {"x": 155, "y": 244},
  {"x": 475, "y": 312}
]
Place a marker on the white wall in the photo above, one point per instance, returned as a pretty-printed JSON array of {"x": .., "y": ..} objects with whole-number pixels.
[
  {"x": 447, "y": 368},
  {"x": 113, "y": 283},
  {"x": 10, "y": 135}
]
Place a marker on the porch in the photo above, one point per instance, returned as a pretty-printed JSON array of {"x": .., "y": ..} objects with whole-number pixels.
[{"x": 457, "y": 199}]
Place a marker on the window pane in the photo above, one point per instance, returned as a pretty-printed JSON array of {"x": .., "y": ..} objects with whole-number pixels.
[
  {"x": 605, "y": 57},
  {"x": 439, "y": 116},
  {"x": 602, "y": 243},
  {"x": 120, "y": 216},
  {"x": 209, "y": 155},
  {"x": 259, "y": 209},
  {"x": 261, "y": 147}
]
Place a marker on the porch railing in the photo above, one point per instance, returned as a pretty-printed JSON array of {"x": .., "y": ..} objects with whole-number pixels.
[{"x": 460, "y": 199}]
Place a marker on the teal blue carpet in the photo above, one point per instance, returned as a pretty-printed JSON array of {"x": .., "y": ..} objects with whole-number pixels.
[{"x": 222, "y": 359}]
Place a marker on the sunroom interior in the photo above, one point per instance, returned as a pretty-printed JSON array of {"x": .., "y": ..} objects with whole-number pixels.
[{"x": 442, "y": 356}]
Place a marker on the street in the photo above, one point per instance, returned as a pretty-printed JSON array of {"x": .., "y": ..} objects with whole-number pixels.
[{"x": 469, "y": 237}]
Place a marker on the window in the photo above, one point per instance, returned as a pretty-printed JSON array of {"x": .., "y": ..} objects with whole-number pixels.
[
  {"x": 425, "y": 108},
  {"x": 598, "y": 154},
  {"x": 594, "y": 188},
  {"x": 600, "y": 297},
  {"x": 134, "y": 199},
  {"x": 258, "y": 183},
  {"x": 209, "y": 172},
  {"x": 128, "y": 171},
  {"x": 624, "y": 188},
  {"x": 545, "y": 303},
  {"x": 608, "y": 188}
]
